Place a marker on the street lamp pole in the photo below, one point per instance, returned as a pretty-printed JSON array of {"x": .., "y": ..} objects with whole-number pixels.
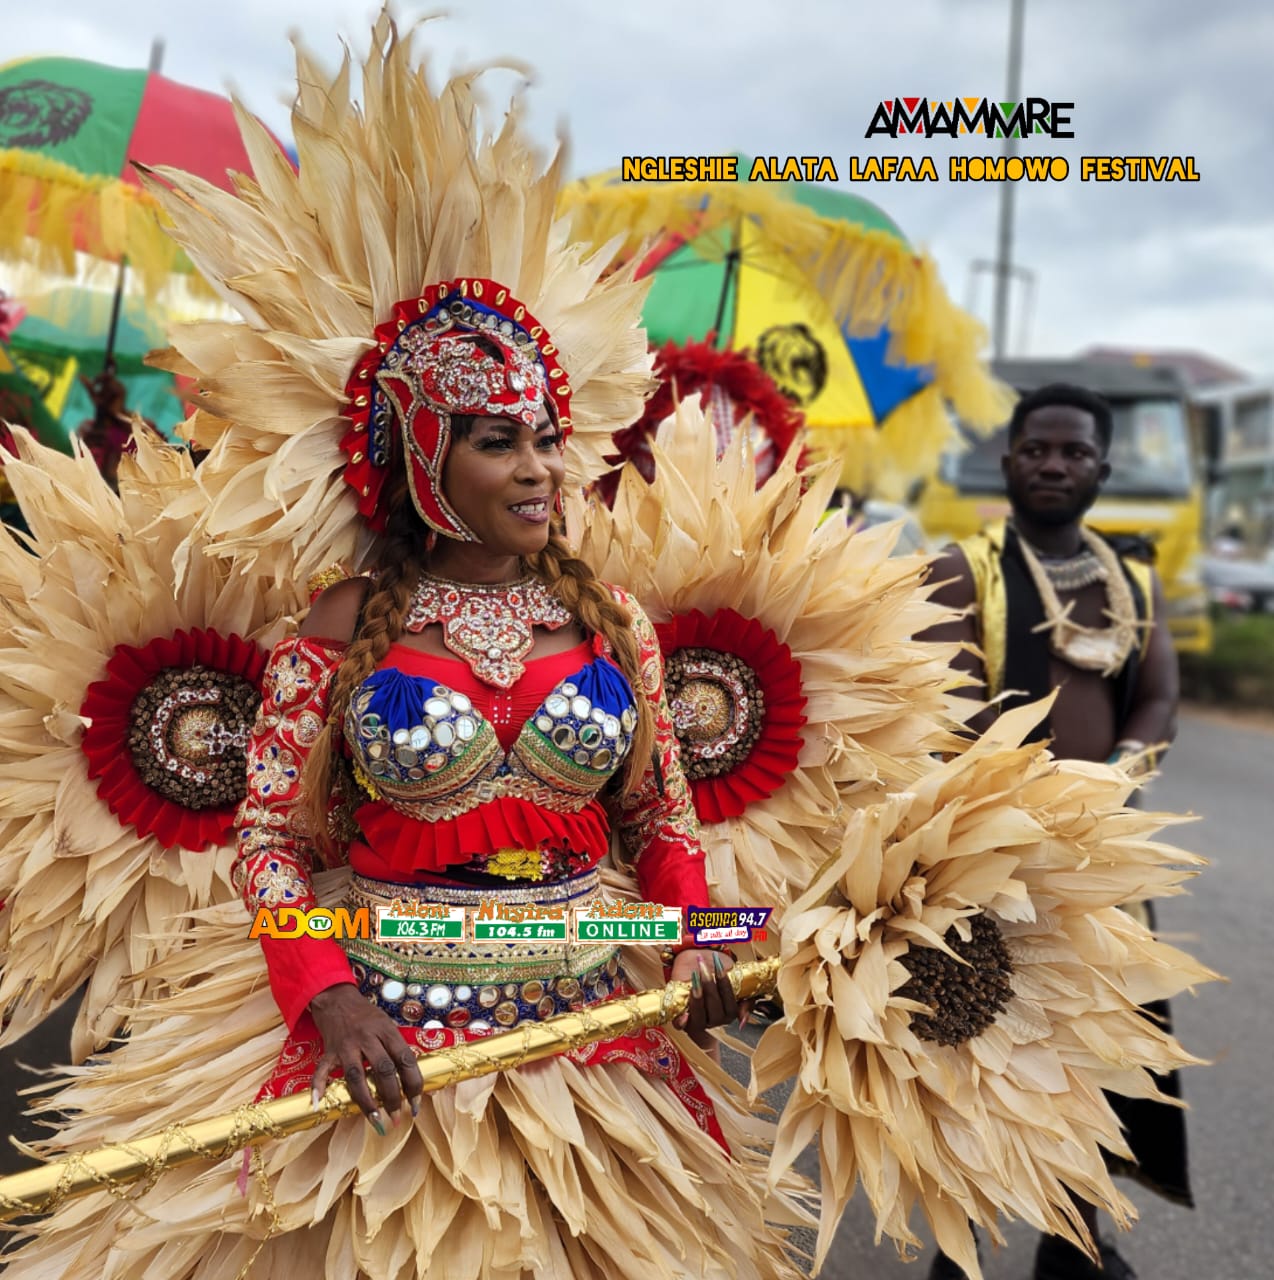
[{"x": 1004, "y": 244}]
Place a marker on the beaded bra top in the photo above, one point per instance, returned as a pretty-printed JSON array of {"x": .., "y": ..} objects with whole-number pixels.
[{"x": 426, "y": 751}]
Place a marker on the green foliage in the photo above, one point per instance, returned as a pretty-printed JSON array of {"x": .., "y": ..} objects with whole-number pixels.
[{"x": 1240, "y": 668}]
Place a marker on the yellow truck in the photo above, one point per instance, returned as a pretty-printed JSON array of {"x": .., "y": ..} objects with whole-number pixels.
[{"x": 1154, "y": 490}]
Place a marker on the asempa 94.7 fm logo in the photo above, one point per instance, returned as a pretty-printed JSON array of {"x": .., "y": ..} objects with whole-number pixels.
[{"x": 727, "y": 924}]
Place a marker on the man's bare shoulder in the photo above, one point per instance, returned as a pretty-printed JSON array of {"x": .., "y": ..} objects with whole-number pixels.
[
  {"x": 334, "y": 615},
  {"x": 950, "y": 570}
]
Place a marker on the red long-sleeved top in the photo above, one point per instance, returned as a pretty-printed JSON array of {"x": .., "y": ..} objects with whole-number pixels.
[{"x": 657, "y": 827}]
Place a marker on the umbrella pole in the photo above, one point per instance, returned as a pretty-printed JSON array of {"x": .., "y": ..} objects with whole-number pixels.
[
  {"x": 117, "y": 301},
  {"x": 731, "y": 268},
  {"x": 156, "y": 62}
]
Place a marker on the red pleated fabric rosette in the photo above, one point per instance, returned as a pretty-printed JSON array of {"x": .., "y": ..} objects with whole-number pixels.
[
  {"x": 168, "y": 733},
  {"x": 735, "y": 694}
]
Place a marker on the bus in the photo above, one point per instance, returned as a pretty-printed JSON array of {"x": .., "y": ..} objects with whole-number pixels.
[
  {"x": 1154, "y": 490},
  {"x": 1238, "y": 419}
]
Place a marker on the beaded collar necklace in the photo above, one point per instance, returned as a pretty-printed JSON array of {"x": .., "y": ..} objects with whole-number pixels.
[
  {"x": 1103, "y": 649},
  {"x": 1073, "y": 573},
  {"x": 490, "y": 626}
]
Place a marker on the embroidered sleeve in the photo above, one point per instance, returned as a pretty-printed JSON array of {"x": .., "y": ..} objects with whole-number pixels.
[
  {"x": 276, "y": 858},
  {"x": 657, "y": 827}
]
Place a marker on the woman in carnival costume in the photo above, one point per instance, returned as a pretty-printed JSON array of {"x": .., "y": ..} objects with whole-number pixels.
[{"x": 486, "y": 711}]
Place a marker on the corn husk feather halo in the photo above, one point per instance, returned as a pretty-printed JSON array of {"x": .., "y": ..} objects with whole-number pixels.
[
  {"x": 817, "y": 691},
  {"x": 391, "y": 197},
  {"x": 108, "y": 636},
  {"x": 959, "y": 986}
]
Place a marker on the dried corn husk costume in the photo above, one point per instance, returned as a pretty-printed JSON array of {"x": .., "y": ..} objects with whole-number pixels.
[
  {"x": 130, "y": 674},
  {"x": 957, "y": 984},
  {"x": 411, "y": 272}
]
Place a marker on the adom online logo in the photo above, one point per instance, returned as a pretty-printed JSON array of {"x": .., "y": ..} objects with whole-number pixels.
[{"x": 933, "y": 117}]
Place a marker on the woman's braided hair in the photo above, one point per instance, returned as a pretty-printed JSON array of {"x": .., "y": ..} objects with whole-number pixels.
[{"x": 399, "y": 561}]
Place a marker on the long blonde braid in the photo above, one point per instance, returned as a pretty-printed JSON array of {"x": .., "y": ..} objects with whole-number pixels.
[
  {"x": 399, "y": 563},
  {"x": 575, "y": 584}
]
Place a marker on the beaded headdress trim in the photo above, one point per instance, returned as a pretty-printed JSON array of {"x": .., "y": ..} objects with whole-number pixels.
[{"x": 464, "y": 347}]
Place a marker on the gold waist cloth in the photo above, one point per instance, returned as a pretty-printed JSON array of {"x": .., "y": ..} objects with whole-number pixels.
[{"x": 420, "y": 981}]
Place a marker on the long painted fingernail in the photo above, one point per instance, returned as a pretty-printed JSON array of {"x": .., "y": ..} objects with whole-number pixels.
[
  {"x": 716, "y": 962},
  {"x": 375, "y": 1121},
  {"x": 415, "y": 1106},
  {"x": 316, "y": 1099},
  {"x": 695, "y": 984},
  {"x": 743, "y": 1018},
  {"x": 395, "y": 1118}
]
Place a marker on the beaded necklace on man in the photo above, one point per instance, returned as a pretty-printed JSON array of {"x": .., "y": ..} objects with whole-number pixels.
[
  {"x": 1103, "y": 649},
  {"x": 491, "y": 627}
]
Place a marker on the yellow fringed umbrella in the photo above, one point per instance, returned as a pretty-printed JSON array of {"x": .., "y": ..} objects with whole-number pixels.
[
  {"x": 849, "y": 320},
  {"x": 70, "y": 131}
]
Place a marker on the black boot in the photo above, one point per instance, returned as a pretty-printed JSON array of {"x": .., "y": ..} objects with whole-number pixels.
[
  {"x": 943, "y": 1268},
  {"x": 1058, "y": 1259}
]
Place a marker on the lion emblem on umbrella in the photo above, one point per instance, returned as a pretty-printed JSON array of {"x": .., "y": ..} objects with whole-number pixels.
[
  {"x": 41, "y": 113},
  {"x": 794, "y": 358}
]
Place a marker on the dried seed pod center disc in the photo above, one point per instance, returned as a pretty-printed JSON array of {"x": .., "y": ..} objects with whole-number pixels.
[
  {"x": 188, "y": 735},
  {"x": 965, "y": 998},
  {"x": 718, "y": 709}
]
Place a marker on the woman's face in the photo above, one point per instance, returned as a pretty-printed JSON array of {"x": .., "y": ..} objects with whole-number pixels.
[{"x": 501, "y": 480}]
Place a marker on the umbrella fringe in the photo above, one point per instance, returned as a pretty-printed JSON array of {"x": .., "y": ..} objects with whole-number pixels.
[{"x": 47, "y": 206}]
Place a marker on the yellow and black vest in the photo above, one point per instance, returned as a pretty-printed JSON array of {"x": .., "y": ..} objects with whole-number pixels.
[{"x": 1015, "y": 655}]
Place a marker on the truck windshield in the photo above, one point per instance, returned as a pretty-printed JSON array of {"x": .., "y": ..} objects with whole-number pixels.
[{"x": 1149, "y": 454}]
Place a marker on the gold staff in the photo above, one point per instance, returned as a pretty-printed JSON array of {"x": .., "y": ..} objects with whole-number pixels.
[{"x": 41, "y": 1190}]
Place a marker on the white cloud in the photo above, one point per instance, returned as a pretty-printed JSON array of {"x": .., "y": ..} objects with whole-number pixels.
[{"x": 1126, "y": 262}]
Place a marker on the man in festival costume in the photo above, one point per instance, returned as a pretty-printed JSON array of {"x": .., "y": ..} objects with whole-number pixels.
[{"x": 1050, "y": 604}]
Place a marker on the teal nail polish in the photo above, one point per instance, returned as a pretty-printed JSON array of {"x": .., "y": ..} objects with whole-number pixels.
[
  {"x": 374, "y": 1119},
  {"x": 716, "y": 962},
  {"x": 695, "y": 984}
]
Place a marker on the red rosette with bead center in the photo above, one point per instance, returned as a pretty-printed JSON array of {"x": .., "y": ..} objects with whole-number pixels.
[
  {"x": 168, "y": 734},
  {"x": 735, "y": 694}
]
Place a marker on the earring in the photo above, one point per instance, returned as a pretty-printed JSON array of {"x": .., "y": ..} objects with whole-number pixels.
[{"x": 431, "y": 540}]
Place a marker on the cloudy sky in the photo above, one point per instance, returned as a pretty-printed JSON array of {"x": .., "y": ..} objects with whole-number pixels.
[{"x": 1181, "y": 265}]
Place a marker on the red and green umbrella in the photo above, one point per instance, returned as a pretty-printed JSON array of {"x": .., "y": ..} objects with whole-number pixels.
[{"x": 70, "y": 132}]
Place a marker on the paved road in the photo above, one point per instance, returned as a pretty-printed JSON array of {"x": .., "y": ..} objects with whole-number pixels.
[{"x": 1226, "y": 774}]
